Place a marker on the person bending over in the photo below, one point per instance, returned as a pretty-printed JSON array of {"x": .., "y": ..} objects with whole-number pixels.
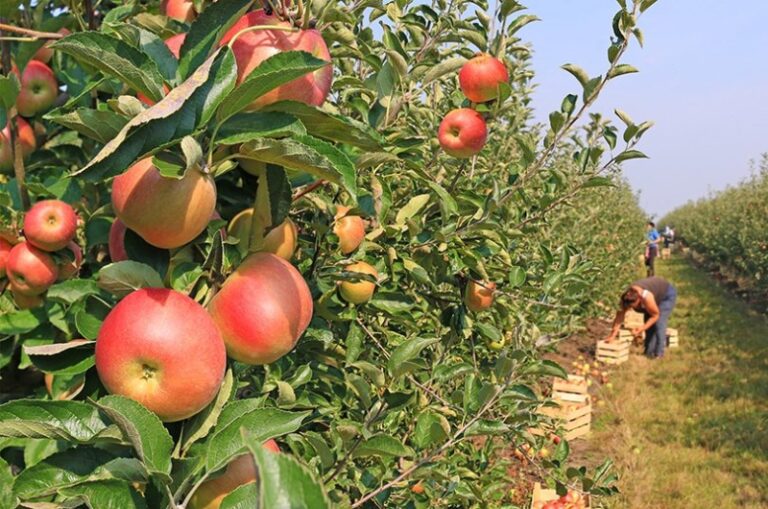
[{"x": 654, "y": 297}]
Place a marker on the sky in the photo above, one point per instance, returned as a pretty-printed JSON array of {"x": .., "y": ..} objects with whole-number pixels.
[{"x": 703, "y": 80}]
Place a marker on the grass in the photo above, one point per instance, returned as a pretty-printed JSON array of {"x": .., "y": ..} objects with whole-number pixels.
[{"x": 690, "y": 430}]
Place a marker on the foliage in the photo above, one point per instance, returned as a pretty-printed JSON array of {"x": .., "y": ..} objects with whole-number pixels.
[
  {"x": 374, "y": 396},
  {"x": 728, "y": 229}
]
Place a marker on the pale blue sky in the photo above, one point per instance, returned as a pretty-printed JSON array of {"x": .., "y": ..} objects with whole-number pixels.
[{"x": 703, "y": 79}]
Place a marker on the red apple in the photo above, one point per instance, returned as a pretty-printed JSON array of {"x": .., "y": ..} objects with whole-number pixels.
[
  {"x": 281, "y": 240},
  {"x": 26, "y": 301},
  {"x": 481, "y": 77},
  {"x": 117, "y": 252},
  {"x": 30, "y": 270},
  {"x": 39, "y": 89},
  {"x": 262, "y": 309},
  {"x": 26, "y": 139},
  {"x": 479, "y": 295},
  {"x": 239, "y": 471},
  {"x": 360, "y": 291},
  {"x": 252, "y": 48},
  {"x": 160, "y": 348},
  {"x": 50, "y": 225},
  {"x": 349, "y": 229},
  {"x": 70, "y": 268},
  {"x": 462, "y": 133},
  {"x": 165, "y": 212},
  {"x": 180, "y": 10},
  {"x": 5, "y": 250},
  {"x": 45, "y": 52}
]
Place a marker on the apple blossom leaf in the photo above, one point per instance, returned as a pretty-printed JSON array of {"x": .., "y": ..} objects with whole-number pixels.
[
  {"x": 277, "y": 70},
  {"x": 330, "y": 126},
  {"x": 75, "y": 466},
  {"x": 124, "y": 277},
  {"x": 307, "y": 154},
  {"x": 382, "y": 446},
  {"x": 184, "y": 111},
  {"x": 22, "y": 322},
  {"x": 267, "y": 423},
  {"x": 71, "y": 358},
  {"x": 143, "y": 429},
  {"x": 72, "y": 421},
  {"x": 99, "y": 125},
  {"x": 245, "y": 127},
  {"x": 114, "y": 58},
  {"x": 201, "y": 424},
  {"x": 206, "y": 32},
  {"x": 105, "y": 494},
  {"x": 283, "y": 482},
  {"x": 242, "y": 497}
]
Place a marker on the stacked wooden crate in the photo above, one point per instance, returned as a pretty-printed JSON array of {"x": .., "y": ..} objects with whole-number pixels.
[
  {"x": 633, "y": 319},
  {"x": 541, "y": 496},
  {"x": 673, "y": 338},
  {"x": 615, "y": 352},
  {"x": 666, "y": 253},
  {"x": 573, "y": 409}
]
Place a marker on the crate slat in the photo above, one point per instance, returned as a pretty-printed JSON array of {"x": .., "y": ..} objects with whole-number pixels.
[{"x": 613, "y": 353}]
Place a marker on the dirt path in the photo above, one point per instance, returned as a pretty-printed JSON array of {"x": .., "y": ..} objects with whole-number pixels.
[{"x": 691, "y": 431}]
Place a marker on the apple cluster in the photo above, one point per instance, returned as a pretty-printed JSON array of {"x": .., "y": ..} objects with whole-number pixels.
[
  {"x": 48, "y": 252},
  {"x": 571, "y": 500},
  {"x": 463, "y": 131}
]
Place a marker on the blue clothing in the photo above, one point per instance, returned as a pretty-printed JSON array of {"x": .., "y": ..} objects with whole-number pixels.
[
  {"x": 653, "y": 236},
  {"x": 656, "y": 336}
]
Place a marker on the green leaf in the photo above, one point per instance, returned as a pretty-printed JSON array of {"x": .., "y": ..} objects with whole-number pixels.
[
  {"x": 591, "y": 87},
  {"x": 517, "y": 276},
  {"x": 9, "y": 91},
  {"x": 412, "y": 208},
  {"x": 22, "y": 322},
  {"x": 206, "y": 32},
  {"x": 546, "y": 368},
  {"x": 70, "y": 358},
  {"x": 186, "y": 109},
  {"x": 307, "y": 154},
  {"x": 152, "y": 45},
  {"x": 624, "y": 117},
  {"x": 105, "y": 495},
  {"x": 411, "y": 349},
  {"x": 646, "y": 4},
  {"x": 621, "y": 69},
  {"x": 613, "y": 52},
  {"x": 245, "y": 496},
  {"x": 143, "y": 429},
  {"x": 99, "y": 125},
  {"x": 277, "y": 70},
  {"x": 72, "y": 421},
  {"x": 486, "y": 427},
  {"x": 444, "y": 67},
  {"x": 265, "y": 423},
  {"x": 198, "y": 427},
  {"x": 73, "y": 290},
  {"x": 330, "y": 126},
  {"x": 520, "y": 22},
  {"x": 7, "y": 498},
  {"x": 629, "y": 154},
  {"x": 430, "y": 429},
  {"x": 578, "y": 73},
  {"x": 280, "y": 196},
  {"x": 114, "y": 58},
  {"x": 122, "y": 278},
  {"x": 245, "y": 127},
  {"x": 283, "y": 483},
  {"x": 383, "y": 446},
  {"x": 598, "y": 181},
  {"x": 556, "y": 120}
]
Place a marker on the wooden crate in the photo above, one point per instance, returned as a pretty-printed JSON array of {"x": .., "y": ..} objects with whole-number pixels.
[
  {"x": 626, "y": 335},
  {"x": 616, "y": 352},
  {"x": 543, "y": 495},
  {"x": 673, "y": 338},
  {"x": 571, "y": 390},
  {"x": 574, "y": 417},
  {"x": 666, "y": 253},
  {"x": 633, "y": 319}
]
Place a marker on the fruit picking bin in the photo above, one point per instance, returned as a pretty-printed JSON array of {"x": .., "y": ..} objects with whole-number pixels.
[
  {"x": 673, "y": 338},
  {"x": 616, "y": 352},
  {"x": 543, "y": 495},
  {"x": 569, "y": 390},
  {"x": 574, "y": 417},
  {"x": 633, "y": 319}
]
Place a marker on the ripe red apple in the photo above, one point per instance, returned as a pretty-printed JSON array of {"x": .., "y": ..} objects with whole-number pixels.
[
  {"x": 39, "y": 89},
  {"x": 45, "y": 52},
  {"x": 252, "y": 48},
  {"x": 5, "y": 250},
  {"x": 462, "y": 133},
  {"x": 281, "y": 240},
  {"x": 26, "y": 139},
  {"x": 349, "y": 229},
  {"x": 181, "y": 10},
  {"x": 70, "y": 268},
  {"x": 26, "y": 301},
  {"x": 262, "y": 309},
  {"x": 239, "y": 471},
  {"x": 160, "y": 348},
  {"x": 478, "y": 295},
  {"x": 360, "y": 291},
  {"x": 117, "y": 252},
  {"x": 481, "y": 77},
  {"x": 50, "y": 225},
  {"x": 30, "y": 270},
  {"x": 165, "y": 212}
]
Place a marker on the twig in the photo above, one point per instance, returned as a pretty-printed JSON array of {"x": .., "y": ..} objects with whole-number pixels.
[
  {"x": 32, "y": 33},
  {"x": 311, "y": 187}
]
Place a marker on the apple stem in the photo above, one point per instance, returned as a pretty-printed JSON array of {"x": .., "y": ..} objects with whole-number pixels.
[{"x": 262, "y": 215}]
